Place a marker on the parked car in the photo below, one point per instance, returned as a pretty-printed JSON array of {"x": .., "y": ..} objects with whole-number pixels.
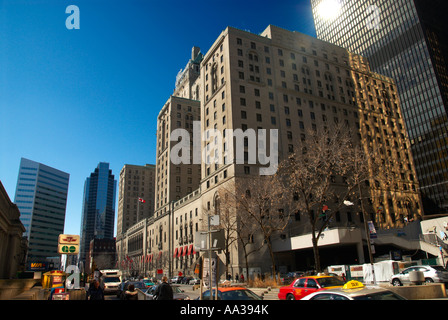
[
  {"x": 356, "y": 292},
  {"x": 186, "y": 280},
  {"x": 176, "y": 279},
  {"x": 178, "y": 293},
  {"x": 431, "y": 274},
  {"x": 195, "y": 281},
  {"x": 307, "y": 285},
  {"x": 148, "y": 282},
  {"x": 291, "y": 276},
  {"x": 231, "y": 293}
]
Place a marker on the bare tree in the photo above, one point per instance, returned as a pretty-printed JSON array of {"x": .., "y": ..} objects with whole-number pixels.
[
  {"x": 238, "y": 227},
  {"x": 320, "y": 177},
  {"x": 227, "y": 220},
  {"x": 259, "y": 202}
]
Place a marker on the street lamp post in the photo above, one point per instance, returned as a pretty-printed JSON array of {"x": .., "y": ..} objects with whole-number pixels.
[
  {"x": 210, "y": 256},
  {"x": 367, "y": 230},
  {"x": 171, "y": 240}
]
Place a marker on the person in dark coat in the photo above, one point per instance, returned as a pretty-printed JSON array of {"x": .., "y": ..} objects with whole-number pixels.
[
  {"x": 95, "y": 292},
  {"x": 164, "y": 291},
  {"x": 131, "y": 293}
]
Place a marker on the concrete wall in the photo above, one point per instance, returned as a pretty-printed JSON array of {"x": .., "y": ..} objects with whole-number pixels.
[
  {"x": 11, "y": 288},
  {"x": 426, "y": 291}
]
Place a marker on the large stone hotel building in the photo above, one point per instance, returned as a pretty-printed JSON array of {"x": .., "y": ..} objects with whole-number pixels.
[{"x": 279, "y": 80}]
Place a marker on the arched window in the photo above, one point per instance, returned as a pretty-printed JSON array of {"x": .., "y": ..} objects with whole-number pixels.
[{"x": 217, "y": 204}]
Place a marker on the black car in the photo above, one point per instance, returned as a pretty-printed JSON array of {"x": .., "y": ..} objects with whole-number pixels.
[
  {"x": 291, "y": 276},
  {"x": 178, "y": 293},
  {"x": 186, "y": 280}
]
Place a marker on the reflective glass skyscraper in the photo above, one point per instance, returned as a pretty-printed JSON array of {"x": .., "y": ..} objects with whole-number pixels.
[
  {"x": 98, "y": 210},
  {"x": 407, "y": 41},
  {"x": 41, "y": 196}
]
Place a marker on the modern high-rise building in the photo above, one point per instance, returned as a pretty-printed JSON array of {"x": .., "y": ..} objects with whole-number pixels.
[
  {"x": 407, "y": 41},
  {"x": 98, "y": 209},
  {"x": 41, "y": 196}
]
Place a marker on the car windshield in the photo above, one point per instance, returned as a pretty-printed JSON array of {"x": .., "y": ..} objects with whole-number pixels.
[
  {"x": 330, "y": 282},
  {"x": 387, "y": 295}
]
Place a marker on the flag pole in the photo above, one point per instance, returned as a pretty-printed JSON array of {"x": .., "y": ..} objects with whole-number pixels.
[{"x": 138, "y": 209}]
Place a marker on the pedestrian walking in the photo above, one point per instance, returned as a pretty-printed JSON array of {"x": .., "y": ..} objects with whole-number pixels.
[
  {"x": 131, "y": 293},
  {"x": 95, "y": 292},
  {"x": 164, "y": 291},
  {"x": 236, "y": 277}
]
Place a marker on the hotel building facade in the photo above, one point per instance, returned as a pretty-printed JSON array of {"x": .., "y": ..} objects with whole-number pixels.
[{"x": 277, "y": 80}]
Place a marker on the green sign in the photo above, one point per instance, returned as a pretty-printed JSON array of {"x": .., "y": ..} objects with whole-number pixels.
[{"x": 67, "y": 249}]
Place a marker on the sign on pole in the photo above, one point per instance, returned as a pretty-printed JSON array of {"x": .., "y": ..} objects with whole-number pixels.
[
  {"x": 206, "y": 272},
  {"x": 372, "y": 230},
  {"x": 68, "y": 244},
  {"x": 201, "y": 241}
]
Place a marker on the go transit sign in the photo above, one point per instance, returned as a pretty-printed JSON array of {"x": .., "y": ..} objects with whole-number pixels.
[{"x": 68, "y": 244}]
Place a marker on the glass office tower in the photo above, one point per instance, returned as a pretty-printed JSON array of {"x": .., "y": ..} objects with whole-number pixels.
[
  {"x": 41, "y": 196},
  {"x": 98, "y": 211},
  {"x": 407, "y": 41}
]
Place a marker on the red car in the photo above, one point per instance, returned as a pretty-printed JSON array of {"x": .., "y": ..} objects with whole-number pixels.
[{"x": 307, "y": 285}]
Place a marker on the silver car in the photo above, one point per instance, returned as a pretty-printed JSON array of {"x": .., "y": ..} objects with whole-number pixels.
[
  {"x": 431, "y": 274},
  {"x": 364, "y": 293},
  {"x": 195, "y": 281}
]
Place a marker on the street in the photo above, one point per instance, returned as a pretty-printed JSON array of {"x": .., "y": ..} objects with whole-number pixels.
[{"x": 269, "y": 295}]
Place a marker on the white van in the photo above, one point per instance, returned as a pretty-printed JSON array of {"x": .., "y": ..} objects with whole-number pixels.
[{"x": 110, "y": 281}]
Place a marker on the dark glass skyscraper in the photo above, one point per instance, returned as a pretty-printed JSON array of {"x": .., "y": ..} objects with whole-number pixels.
[
  {"x": 98, "y": 211},
  {"x": 41, "y": 196},
  {"x": 407, "y": 41}
]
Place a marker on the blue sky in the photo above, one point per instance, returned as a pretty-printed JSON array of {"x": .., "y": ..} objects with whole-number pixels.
[{"x": 73, "y": 98}]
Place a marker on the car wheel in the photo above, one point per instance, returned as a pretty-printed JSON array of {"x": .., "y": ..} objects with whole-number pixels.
[
  {"x": 429, "y": 280},
  {"x": 290, "y": 297},
  {"x": 396, "y": 283}
]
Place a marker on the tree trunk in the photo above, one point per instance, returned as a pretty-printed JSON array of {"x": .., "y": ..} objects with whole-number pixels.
[{"x": 271, "y": 253}]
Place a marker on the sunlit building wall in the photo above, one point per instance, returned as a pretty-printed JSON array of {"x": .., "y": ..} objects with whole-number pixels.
[{"x": 407, "y": 41}]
